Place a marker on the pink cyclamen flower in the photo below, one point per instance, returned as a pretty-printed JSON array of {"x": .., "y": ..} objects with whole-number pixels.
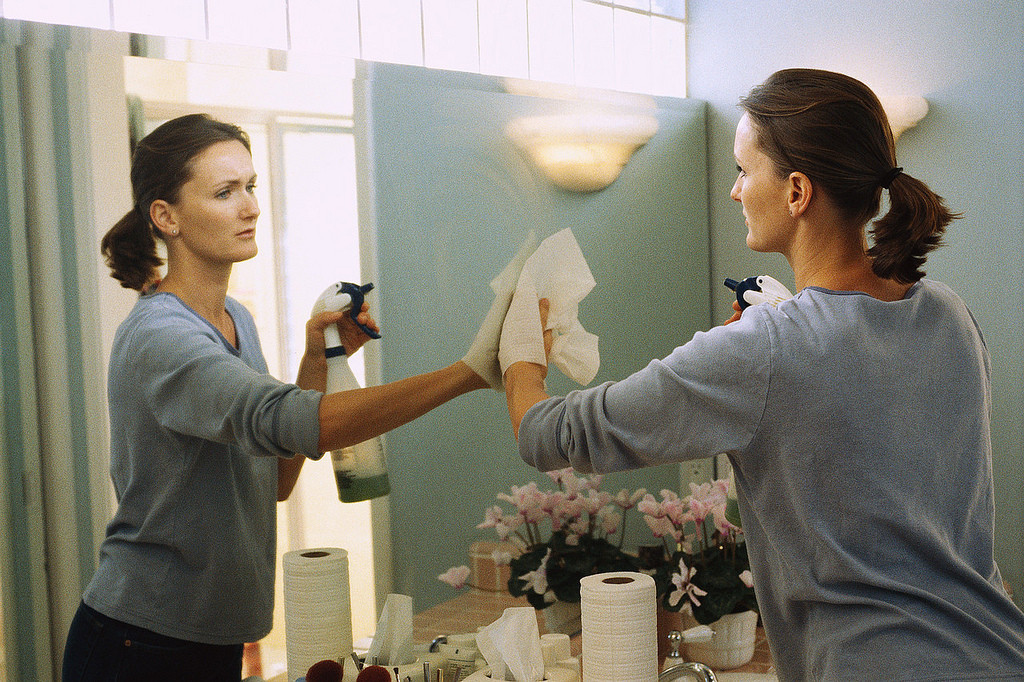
[
  {"x": 572, "y": 484},
  {"x": 537, "y": 580},
  {"x": 650, "y": 506},
  {"x": 669, "y": 495},
  {"x": 574, "y": 530},
  {"x": 506, "y": 526},
  {"x": 610, "y": 521},
  {"x": 552, "y": 501},
  {"x": 595, "y": 501},
  {"x": 663, "y": 527},
  {"x": 685, "y": 588},
  {"x": 676, "y": 511},
  {"x": 723, "y": 524},
  {"x": 455, "y": 576},
  {"x": 492, "y": 517},
  {"x": 559, "y": 474},
  {"x": 703, "y": 499},
  {"x": 626, "y": 501}
]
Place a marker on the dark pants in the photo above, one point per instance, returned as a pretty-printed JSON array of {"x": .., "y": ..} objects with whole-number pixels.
[{"x": 101, "y": 649}]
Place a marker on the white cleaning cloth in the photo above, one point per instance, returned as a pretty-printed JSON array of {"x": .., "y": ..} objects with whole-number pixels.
[
  {"x": 392, "y": 643},
  {"x": 558, "y": 272},
  {"x": 511, "y": 644},
  {"x": 482, "y": 356}
]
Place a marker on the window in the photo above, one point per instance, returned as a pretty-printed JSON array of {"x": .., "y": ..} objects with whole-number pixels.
[{"x": 562, "y": 41}]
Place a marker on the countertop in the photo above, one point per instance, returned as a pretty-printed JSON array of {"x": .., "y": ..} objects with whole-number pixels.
[{"x": 475, "y": 608}]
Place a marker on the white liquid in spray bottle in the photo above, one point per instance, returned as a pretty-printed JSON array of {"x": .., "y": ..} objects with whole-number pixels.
[{"x": 360, "y": 470}]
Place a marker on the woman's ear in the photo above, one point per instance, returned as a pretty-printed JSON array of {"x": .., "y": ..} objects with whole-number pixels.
[
  {"x": 162, "y": 216},
  {"x": 799, "y": 193}
]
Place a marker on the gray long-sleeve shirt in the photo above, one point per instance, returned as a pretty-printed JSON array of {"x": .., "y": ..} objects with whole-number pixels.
[
  {"x": 859, "y": 433},
  {"x": 196, "y": 429}
]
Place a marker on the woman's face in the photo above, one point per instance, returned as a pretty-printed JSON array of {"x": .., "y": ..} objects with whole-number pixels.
[
  {"x": 762, "y": 192},
  {"x": 216, "y": 210}
]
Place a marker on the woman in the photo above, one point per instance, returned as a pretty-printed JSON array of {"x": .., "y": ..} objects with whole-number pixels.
[
  {"x": 203, "y": 440},
  {"x": 855, "y": 415}
]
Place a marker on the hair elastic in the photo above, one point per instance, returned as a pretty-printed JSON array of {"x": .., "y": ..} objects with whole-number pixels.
[{"x": 890, "y": 176}]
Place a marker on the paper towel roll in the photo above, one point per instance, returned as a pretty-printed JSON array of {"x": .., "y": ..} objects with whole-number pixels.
[
  {"x": 317, "y": 610},
  {"x": 620, "y": 627}
]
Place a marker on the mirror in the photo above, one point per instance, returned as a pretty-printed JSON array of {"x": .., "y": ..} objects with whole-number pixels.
[{"x": 450, "y": 204}]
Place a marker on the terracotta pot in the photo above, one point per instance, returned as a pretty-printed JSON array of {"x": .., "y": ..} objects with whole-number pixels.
[{"x": 732, "y": 645}]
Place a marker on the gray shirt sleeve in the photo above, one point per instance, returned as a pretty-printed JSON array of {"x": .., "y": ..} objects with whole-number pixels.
[
  {"x": 708, "y": 396},
  {"x": 196, "y": 389}
]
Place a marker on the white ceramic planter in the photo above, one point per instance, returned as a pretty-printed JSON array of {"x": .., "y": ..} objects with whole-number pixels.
[{"x": 732, "y": 645}]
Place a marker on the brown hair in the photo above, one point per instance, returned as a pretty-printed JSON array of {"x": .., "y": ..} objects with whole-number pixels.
[
  {"x": 832, "y": 128},
  {"x": 161, "y": 164}
]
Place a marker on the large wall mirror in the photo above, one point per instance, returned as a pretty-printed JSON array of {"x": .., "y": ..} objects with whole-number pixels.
[{"x": 368, "y": 172}]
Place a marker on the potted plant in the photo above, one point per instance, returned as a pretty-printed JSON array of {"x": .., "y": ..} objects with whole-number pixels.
[
  {"x": 559, "y": 536},
  {"x": 702, "y": 569}
]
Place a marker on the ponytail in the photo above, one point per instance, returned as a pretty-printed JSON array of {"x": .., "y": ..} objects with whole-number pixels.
[
  {"x": 129, "y": 249},
  {"x": 911, "y": 229}
]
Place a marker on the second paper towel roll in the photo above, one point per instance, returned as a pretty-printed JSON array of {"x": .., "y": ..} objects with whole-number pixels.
[
  {"x": 317, "y": 610},
  {"x": 620, "y": 627}
]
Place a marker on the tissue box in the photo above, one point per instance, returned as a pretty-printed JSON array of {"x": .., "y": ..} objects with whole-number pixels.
[{"x": 487, "y": 575}]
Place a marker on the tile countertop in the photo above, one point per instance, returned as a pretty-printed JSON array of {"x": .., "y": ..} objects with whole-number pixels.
[{"x": 475, "y": 608}]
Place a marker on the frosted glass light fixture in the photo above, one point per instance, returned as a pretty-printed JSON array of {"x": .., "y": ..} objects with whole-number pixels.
[
  {"x": 581, "y": 152},
  {"x": 903, "y": 112}
]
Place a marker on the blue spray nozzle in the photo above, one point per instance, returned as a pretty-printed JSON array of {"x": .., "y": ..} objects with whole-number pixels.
[
  {"x": 358, "y": 293},
  {"x": 741, "y": 288},
  {"x": 759, "y": 289}
]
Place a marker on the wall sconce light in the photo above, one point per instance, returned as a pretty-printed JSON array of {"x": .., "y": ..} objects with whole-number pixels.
[
  {"x": 904, "y": 112},
  {"x": 581, "y": 152}
]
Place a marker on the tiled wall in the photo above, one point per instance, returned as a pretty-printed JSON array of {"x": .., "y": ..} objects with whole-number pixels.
[{"x": 634, "y": 45}]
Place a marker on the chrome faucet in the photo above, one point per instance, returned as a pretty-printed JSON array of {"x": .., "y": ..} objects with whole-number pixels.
[
  {"x": 697, "y": 671},
  {"x": 676, "y": 668}
]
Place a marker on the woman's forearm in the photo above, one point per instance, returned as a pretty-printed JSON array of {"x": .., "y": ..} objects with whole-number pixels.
[
  {"x": 312, "y": 375},
  {"x": 350, "y": 417},
  {"x": 524, "y": 388}
]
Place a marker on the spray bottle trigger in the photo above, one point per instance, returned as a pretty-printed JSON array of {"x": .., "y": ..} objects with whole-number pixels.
[
  {"x": 760, "y": 289},
  {"x": 358, "y": 293},
  {"x": 742, "y": 288}
]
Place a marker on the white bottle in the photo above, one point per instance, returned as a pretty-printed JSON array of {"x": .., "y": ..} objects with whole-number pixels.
[{"x": 360, "y": 470}]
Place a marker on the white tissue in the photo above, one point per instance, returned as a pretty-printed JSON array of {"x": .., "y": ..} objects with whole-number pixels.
[
  {"x": 482, "y": 356},
  {"x": 392, "y": 643},
  {"x": 511, "y": 644},
  {"x": 558, "y": 272}
]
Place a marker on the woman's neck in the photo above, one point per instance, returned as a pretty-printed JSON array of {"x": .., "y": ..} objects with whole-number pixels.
[
  {"x": 204, "y": 293},
  {"x": 836, "y": 258}
]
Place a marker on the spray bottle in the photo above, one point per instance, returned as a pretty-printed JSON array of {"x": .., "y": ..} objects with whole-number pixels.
[
  {"x": 360, "y": 470},
  {"x": 760, "y": 289}
]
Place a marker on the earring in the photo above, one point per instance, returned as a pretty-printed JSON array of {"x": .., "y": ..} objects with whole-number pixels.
[{"x": 174, "y": 233}]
